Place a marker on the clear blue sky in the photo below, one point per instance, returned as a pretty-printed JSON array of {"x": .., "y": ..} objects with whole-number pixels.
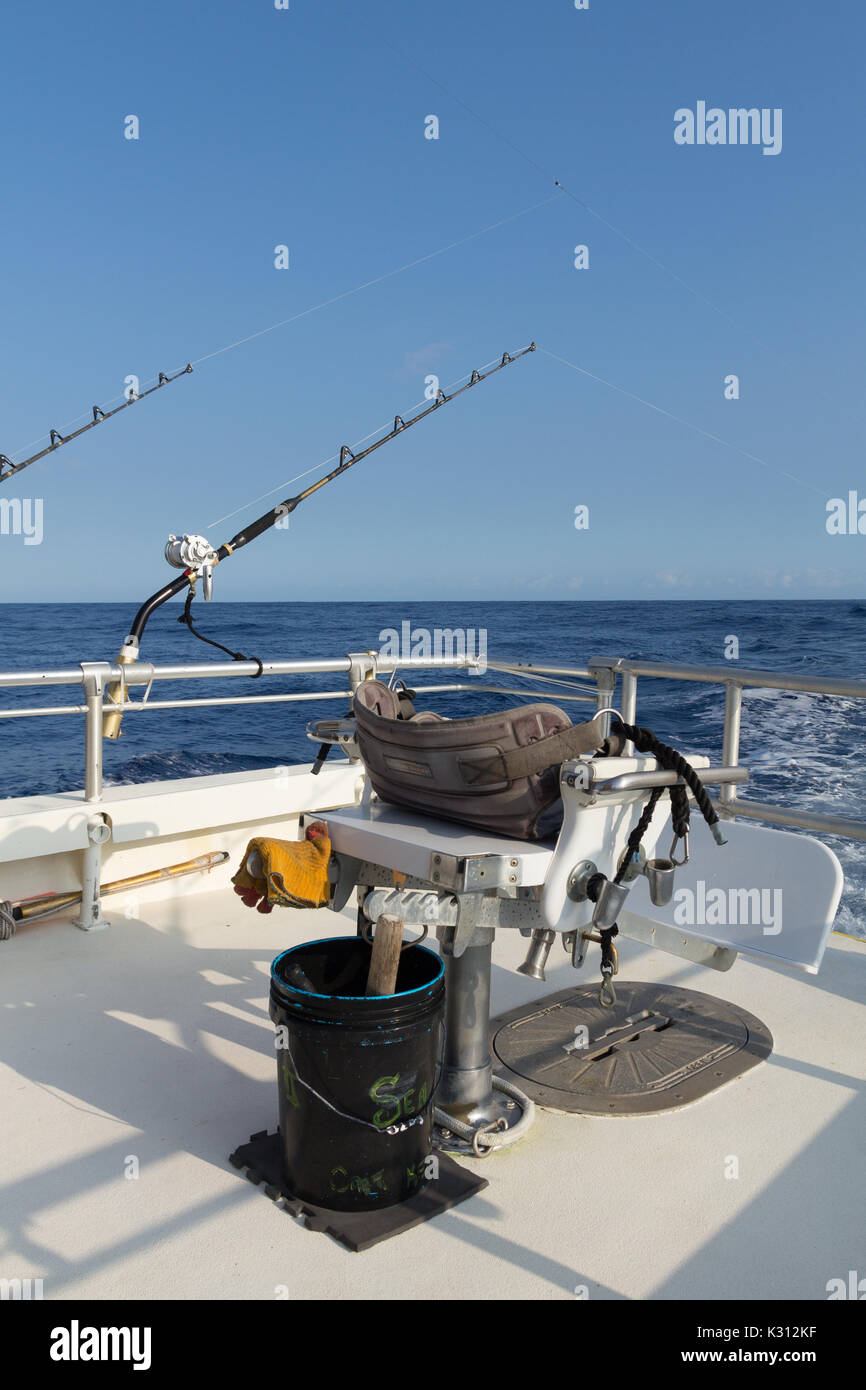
[{"x": 261, "y": 127}]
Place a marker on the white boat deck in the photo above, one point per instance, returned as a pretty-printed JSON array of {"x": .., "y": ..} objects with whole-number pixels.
[{"x": 153, "y": 1040}]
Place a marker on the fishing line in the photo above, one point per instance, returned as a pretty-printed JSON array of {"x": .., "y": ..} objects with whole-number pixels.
[
  {"x": 378, "y": 279},
  {"x": 548, "y": 680},
  {"x": 542, "y": 169},
  {"x": 303, "y": 313},
  {"x": 333, "y": 457},
  {"x": 774, "y": 468},
  {"x": 631, "y": 242}
]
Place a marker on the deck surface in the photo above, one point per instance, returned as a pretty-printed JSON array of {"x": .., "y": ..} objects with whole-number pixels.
[{"x": 151, "y": 1041}]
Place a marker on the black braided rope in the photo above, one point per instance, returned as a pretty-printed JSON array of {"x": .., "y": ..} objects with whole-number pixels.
[
  {"x": 645, "y": 741},
  {"x": 636, "y": 836},
  {"x": 607, "y": 955}
]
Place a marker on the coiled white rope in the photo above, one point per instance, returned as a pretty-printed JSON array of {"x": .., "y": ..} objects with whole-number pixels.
[{"x": 484, "y": 1138}]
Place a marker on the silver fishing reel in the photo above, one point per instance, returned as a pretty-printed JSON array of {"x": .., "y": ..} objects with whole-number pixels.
[{"x": 193, "y": 553}]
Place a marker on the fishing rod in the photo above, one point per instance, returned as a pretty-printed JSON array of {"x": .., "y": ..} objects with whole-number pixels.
[
  {"x": 197, "y": 557},
  {"x": 8, "y": 468}
]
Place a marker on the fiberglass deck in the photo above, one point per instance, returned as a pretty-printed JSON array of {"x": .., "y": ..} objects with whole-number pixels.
[{"x": 151, "y": 1042}]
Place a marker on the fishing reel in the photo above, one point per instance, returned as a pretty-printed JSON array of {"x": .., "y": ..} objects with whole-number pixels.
[
  {"x": 193, "y": 553},
  {"x": 196, "y": 557}
]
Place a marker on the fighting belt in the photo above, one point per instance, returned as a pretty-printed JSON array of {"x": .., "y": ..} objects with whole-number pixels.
[{"x": 496, "y": 772}]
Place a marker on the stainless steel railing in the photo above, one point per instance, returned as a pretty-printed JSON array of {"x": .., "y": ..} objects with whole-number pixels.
[
  {"x": 601, "y": 675},
  {"x": 734, "y": 683}
]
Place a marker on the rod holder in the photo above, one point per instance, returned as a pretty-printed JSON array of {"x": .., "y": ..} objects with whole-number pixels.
[
  {"x": 660, "y": 876},
  {"x": 609, "y": 900},
  {"x": 536, "y": 959}
]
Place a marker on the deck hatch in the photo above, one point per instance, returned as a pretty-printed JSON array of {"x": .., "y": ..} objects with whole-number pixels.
[{"x": 659, "y": 1048}]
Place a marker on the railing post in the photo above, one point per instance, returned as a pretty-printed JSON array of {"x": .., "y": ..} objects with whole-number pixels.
[
  {"x": 605, "y": 679},
  {"x": 629, "y": 706},
  {"x": 731, "y": 737},
  {"x": 98, "y": 829}
]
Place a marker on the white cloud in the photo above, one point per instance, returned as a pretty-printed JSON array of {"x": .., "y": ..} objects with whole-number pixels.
[
  {"x": 423, "y": 360},
  {"x": 673, "y": 579}
]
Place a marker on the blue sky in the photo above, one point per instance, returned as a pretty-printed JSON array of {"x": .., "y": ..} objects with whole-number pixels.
[{"x": 304, "y": 127}]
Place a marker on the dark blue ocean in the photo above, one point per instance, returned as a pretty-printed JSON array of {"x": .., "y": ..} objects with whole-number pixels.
[{"x": 805, "y": 751}]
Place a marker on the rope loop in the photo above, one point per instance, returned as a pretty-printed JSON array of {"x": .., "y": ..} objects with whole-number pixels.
[{"x": 645, "y": 741}]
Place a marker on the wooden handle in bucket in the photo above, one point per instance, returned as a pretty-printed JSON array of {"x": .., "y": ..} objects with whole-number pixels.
[{"x": 385, "y": 959}]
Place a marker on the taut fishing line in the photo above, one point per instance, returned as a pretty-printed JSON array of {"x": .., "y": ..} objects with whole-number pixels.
[
  {"x": 624, "y": 236},
  {"x": 333, "y": 457},
  {"x": 716, "y": 439},
  {"x": 8, "y": 467}
]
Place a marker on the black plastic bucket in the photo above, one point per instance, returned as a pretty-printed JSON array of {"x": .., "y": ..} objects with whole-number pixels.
[{"x": 356, "y": 1075}]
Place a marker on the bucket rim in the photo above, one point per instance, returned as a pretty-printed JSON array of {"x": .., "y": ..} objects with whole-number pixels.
[{"x": 355, "y": 998}]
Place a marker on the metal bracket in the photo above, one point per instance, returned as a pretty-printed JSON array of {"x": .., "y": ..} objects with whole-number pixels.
[
  {"x": 347, "y": 877},
  {"x": 676, "y": 943},
  {"x": 362, "y": 667},
  {"x": 94, "y": 678},
  {"x": 579, "y": 946},
  {"x": 475, "y": 873},
  {"x": 415, "y": 907},
  {"x": 95, "y": 674},
  {"x": 577, "y": 774},
  {"x": 457, "y": 939},
  {"x": 578, "y": 879},
  {"x": 418, "y": 907},
  {"x": 336, "y": 733},
  {"x": 461, "y": 920}
]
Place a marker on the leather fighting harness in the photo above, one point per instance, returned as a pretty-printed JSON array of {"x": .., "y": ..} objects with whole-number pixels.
[{"x": 496, "y": 771}]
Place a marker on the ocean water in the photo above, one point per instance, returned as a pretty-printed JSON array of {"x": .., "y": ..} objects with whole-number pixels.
[{"x": 804, "y": 751}]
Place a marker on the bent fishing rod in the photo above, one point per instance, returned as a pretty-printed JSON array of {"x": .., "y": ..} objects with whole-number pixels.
[
  {"x": 8, "y": 467},
  {"x": 197, "y": 558}
]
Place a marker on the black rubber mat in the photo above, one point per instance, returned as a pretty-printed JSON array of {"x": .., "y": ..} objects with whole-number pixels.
[
  {"x": 357, "y": 1230},
  {"x": 660, "y": 1047}
]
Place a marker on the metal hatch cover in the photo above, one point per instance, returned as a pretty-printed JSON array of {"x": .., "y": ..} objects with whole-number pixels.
[{"x": 659, "y": 1048}]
